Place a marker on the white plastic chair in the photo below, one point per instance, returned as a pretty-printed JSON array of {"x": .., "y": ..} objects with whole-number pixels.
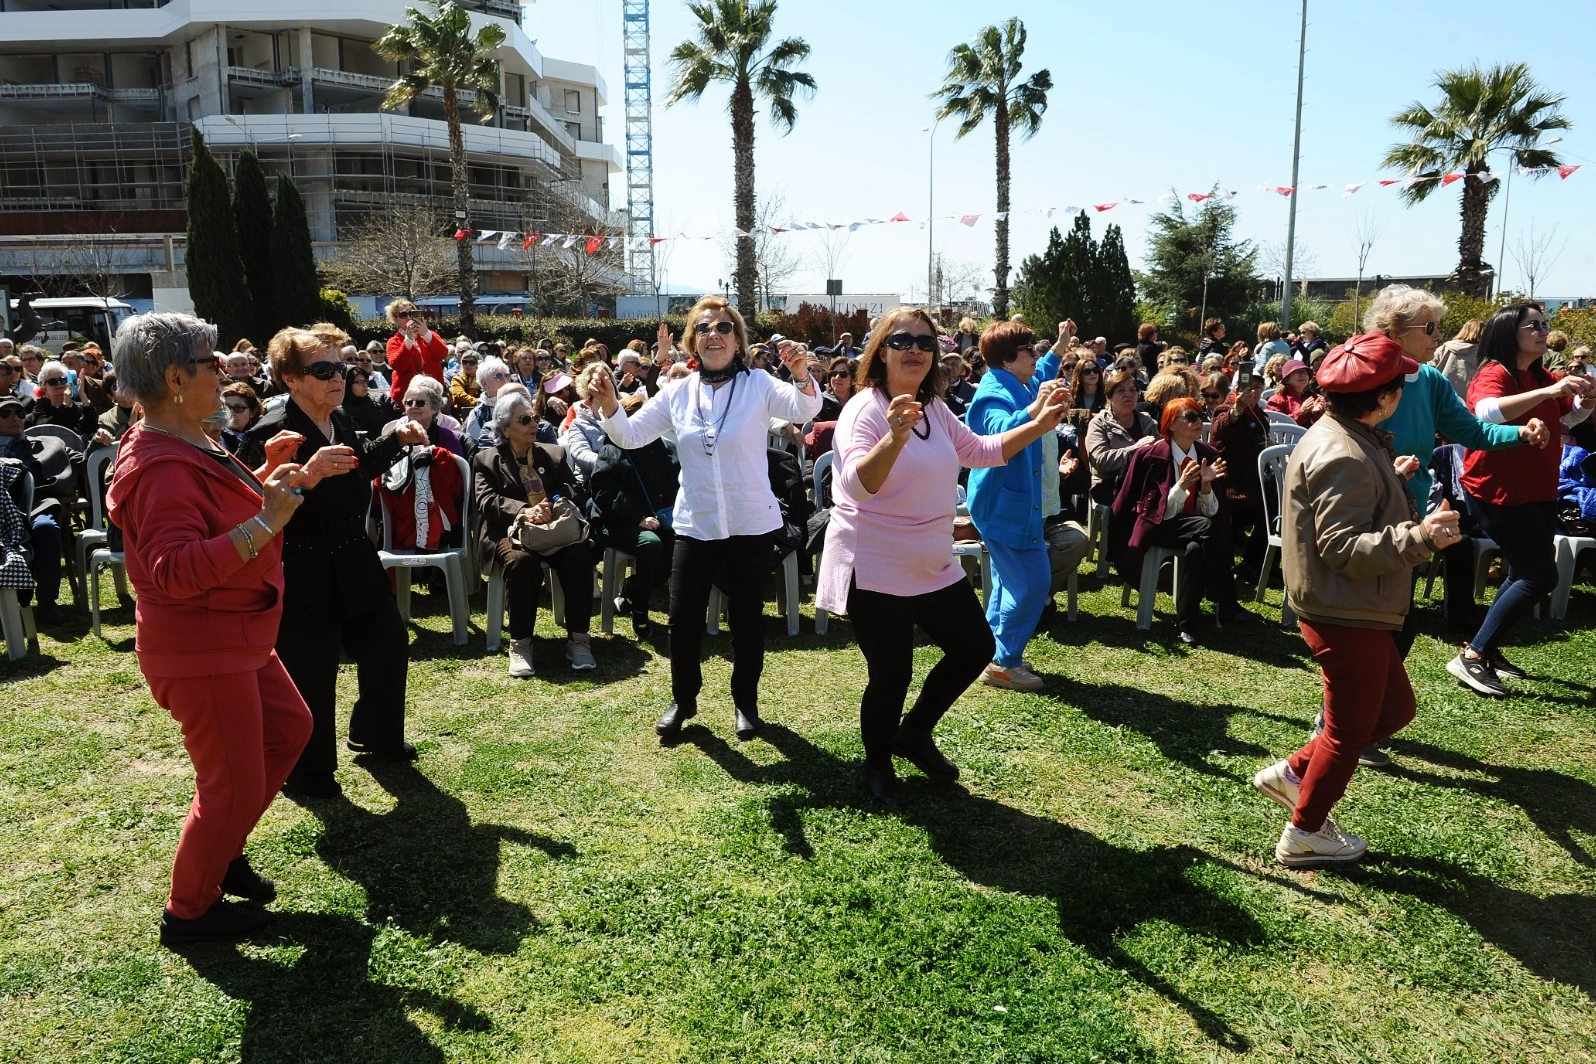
[
  {"x": 94, "y": 552},
  {"x": 1568, "y": 549},
  {"x": 496, "y": 604},
  {"x": 1280, "y": 417},
  {"x": 787, "y": 594},
  {"x": 1282, "y": 432},
  {"x": 1272, "y": 464},
  {"x": 16, "y": 620},
  {"x": 1097, "y": 519},
  {"x": 452, "y": 561},
  {"x": 616, "y": 563},
  {"x": 1147, "y": 592}
]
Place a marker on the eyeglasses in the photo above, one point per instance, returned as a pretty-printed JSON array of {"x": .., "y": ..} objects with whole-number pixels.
[
  {"x": 237, "y": 408},
  {"x": 1213, "y": 395},
  {"x": 364, "y": 360},
  {"x": 524, "y": 420},
  {"x": 1192, "y": 416},
  {"x": 1429, "y": 327},
  {"x": 412, "y": 404},
  {"x": 54, "y": 382},
  {"x": 498, "y": 375},
  {"x": 1537, "y": 326},
  {"x": 839, "y": 373},
  {"x": 30, "y": 359},
  {"x": 725, "y": 328},
  {"x": 406, "y": 314},
  {"x": 902, "y": 341},
  {"x": 323, "y": 371}
]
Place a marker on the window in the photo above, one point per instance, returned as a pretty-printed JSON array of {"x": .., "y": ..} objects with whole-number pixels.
[
  {"x": 574, "y": 129},
  {"x": 193, "y": 108},
  {"x": 573, "y": 102}
]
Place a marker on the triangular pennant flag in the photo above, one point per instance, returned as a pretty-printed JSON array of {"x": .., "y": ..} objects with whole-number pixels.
[
  {"x": 1197, "y": 197},
  {"x": 1449, "y": 178},
  {"x": 613, "y": 241},
  {"x": 594, "y": 243},
  {"x": 1049, "y": 211},
  {"x": 1101, "y": 207},
  {"x": 1315, "y": 187},
  {"x": 969, "y": 219},
  {"x": 504, "y": 240},
  {"x": 570, "y": 240},
  {"x": 1386, "y": 182},
  {"x": 899, "y": 217},
  {"x": 530, "y": 238},
  {"x": 853, "y": 227},
  {"x": 1128, "y": 200},
  {"x": 1564, "y": 171},
  {"x": 1073, "y": 210},
  {"x": 657, "y": 240},
  {"x": 1266, "y": 188},
  {"x": 485, "y": 235},
  {"x": 461, "y": 234},
  {"x": 1350, "y": 189},
  {"x": 1284, "y": 190},
  {"x": 551, "y": 238},
  {"x": 1169, "y": 197},
  {"x": 1485, "y": 177},
  {"x": 1412, "y": 180},
  {"x": 1002, "y": 216},
  {"x": 1228, "y": 193},
  {"x": 773, "y": 229},
  {"x": 741, "y": 232}
]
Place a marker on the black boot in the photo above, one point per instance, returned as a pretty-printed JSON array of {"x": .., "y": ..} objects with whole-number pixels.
[
  {"x": 242, "y": 881},
  {"x": 223, "y": 920},
  {"x": 746, "y": 722},
  {"x": 670, "y": 722},
  {"x": 921, "y": 751},
  {"x": 882, "y": 783}
]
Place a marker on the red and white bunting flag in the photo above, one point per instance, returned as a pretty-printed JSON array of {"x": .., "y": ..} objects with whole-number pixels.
[
  {"x": 1101, "y": 207},
  {"x": 1386, "y": 182},
  {"x": 570, "y": 240},
  {"x": 1196, "y": 197},
  {"x": 1563, "y": 172},
  {"x": 1485, "y": 177},
  {"x": 1228, "y": 193},
  {"x": 1350, "y": 189},
  {"x": 1127, "y": 199},
  {"x": 1315, "y": 188},
  {"x": 485, "y": 235},
  {"x": 1002, "y": 216},
  {"x": 853, "y": 227},
  {"x": 504, "y": 240},
  {"x": 461, "y": 234},
  {"x": 1449, "y": 178},
  {"x": 594, "y": 243},
  {"x": 657, "y": 240},
  {"x": 969, "y": 219},
  {"x": 741, "y": 232},
  {"x": 551, "y": 238},
  {"x": 1168, "y": 197},
  {"x": 1284, "y": 190},
  {"x": 773, "y": 229},
  {"x": 899, "y": 217},
  {"x": 530, "y": 238}
]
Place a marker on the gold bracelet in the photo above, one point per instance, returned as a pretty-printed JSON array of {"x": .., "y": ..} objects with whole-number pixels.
[{"x": 249, "y": 540}]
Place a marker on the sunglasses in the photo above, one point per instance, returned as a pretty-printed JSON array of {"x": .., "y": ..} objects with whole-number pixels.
[
  {"x": 237, "y": 408},
  {"x": 11, "y": 411},
  {"x": 406, "y": 314},
  {"x": 412, "y": 404},
  {"x": 839, "y": 373},
  {"x": 1212, "y": 395},
  {"x": 498, "y": 375},
  {"x": 54, "y": 382},
  {"x": 468, "y": 362},
  {"x": 1192, "y": 416},
  {"x": 363, "y": 360},
  {"x": 902, "y": 341},
  {"x": 524, "y": 420},
  {"x": 1429, "y": 327},
  {"x": 1533, "y": 326},
  {"x": 725, "y": 328},
  {"x": 544, "y": 358},
  {"x": 323, "y": 371},
  {"x": 1090, "y": 372}
]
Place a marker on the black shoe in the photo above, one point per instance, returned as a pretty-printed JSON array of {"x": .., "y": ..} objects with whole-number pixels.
[
  {"x": 882, "y": 783},
  {"x": 1187, "y": 636},
  {"x": 1235, "y": 617},
  {"x": 49, "y": 613},
  {"x": 670, "y": 722},
  {"x": 223, "y": 920},
  {"x": 919, "y": 749},
  {"x": 1478, "y": 674},
  {"x": 242, "y": 881},
  {"x": 1371, "y": 756},
  {"x": 746, "y": 722},
  {"x": 403, "y": 752},
  {"x": 1506, "y": 668},
  {"x": 641, "y": 627},
  {"x": 325, "y": 788}
]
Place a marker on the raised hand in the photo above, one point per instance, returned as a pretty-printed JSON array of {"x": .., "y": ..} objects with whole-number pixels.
[
  {"x": 903, "y": 413},
  {"x": 795, "y": 358},
  {"x": 282, "y": 448},
  {"x": 601, "y": 392},
  {"x": 410, "y": 432},
  {"x": 662, "y": 341},
  {"x": 1211, "y": 472},
  {"x": 1406, "y": 465},
  {"x": 279, "y": 495}
]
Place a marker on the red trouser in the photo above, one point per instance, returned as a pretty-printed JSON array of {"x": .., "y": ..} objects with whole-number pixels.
[
  {"x": 243, "y": 731},
  {"x": 1367, "y": 698}
]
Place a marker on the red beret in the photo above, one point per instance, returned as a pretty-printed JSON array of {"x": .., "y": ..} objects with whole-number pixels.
[{"x": 1364, "y": 362}]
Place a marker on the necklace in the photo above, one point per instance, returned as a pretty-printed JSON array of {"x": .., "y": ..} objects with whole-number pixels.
[
  {"x": 208, "y": 446},
  {"x": 712, "y": 430}
]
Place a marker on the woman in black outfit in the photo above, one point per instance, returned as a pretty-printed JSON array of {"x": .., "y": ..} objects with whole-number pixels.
[
  {"x": 336, "y": 596},
  {"x": 369, "y": 410}
]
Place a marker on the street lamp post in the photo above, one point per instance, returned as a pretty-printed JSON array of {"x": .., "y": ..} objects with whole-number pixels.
[
  {"x": 930, "y": 216},
  {"x": 1507, "y": 200}
]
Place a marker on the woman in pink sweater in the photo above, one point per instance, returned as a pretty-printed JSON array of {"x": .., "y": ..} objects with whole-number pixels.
[{"x": 888, "y": 561}]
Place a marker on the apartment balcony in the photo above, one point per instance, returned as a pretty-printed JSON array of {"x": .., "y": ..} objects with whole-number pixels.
[
  {"x": 277, "y": 79},
  {"x": 79, "y": 5},
  {"x": 510, "y": 9},
  {"x": 83, "y": 90}
]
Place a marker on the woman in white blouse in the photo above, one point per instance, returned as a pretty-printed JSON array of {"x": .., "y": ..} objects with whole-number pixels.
[{"x": 725, "y": 512}]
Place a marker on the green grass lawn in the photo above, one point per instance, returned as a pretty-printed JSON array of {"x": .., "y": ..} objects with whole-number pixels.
[{"x": 549, "y": 883}]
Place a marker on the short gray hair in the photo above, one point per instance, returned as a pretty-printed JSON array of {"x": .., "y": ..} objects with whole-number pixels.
[
  {"x": 428, "y": 388},
  {"x": 1398, "y": 305},
  {"x": 505, "y": 403},
  {"x": 490, "y": 366},
  {"x": 147, "y": 345}
]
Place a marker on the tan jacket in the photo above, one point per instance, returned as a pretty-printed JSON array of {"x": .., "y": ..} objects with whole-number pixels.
[{"x": 1349, "y": 533}]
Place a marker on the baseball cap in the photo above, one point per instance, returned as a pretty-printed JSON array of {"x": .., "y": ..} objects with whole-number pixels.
[
  {"x": 1291, "y": 366},
  {"x": 10, "y": 401}
]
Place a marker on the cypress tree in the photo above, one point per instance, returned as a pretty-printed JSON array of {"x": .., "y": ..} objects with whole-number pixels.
[
  {"x": 1077, "y": 280},
  {"x": 252, "y": 214},
  {"x": 298, "y": 291},
  {"x": 1117, "y": 289},
  {"x": 215, "y": 271}
]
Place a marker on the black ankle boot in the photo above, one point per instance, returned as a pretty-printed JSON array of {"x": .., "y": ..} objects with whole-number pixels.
[
  {"x": 670, "y": 722},
  {"x": 746, "y": 722},
  {"x": 882, "y": 783},
  {"x": 919, "y": 749},
  {"x": 223, "y": 920},
  {"x": 242, "y": 881}
]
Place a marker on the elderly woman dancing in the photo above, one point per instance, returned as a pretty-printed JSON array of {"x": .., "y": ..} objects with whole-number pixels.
[{"x": 203, "y": 549}]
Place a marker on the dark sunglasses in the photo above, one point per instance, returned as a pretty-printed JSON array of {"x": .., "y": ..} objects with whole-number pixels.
[
  {"x": 323, "y": 371},
  {"x": 1192, "y": 416},
  {"x": 725, "y": 328},
  {"x": 409, "y": 403},
  {"x": 524, "y": 420},
  {"x": 902, "y": 341},
  {"x": 1429, "y": 327},
  {"x": 237, "y": 408},
  {"x": 364, "y": 360},
  {"x": 468, "y": 362},
  {"x": 544, "y": 358},
  {"x": 1532, "y": 326},
  {"x": 839, "y": 373},
  {"x": 407, "y": 314},
  {"x": 1090, "y": 372},
  {"x": 11, "y": 411},
  {"x": 1212, "y": 395}
]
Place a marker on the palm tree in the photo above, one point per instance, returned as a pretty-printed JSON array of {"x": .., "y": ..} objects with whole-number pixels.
[
  {"x": 1480, "y": 111},
  {"x": 444, "y": 53},
  {"x": 984, "y": 77},
  {"x": 734, "y": 46}
]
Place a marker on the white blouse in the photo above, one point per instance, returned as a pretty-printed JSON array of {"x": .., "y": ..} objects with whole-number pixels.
[{"x": 720, "y": 436}]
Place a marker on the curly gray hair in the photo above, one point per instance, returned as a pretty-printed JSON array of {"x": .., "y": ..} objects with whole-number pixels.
[
  {"x": 422, "y": 386},
  {"x": 511, "y": 398},
  {"x": 147, "y": 345}
]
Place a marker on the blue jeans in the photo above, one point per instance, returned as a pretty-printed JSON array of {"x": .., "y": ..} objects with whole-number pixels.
[
  {"x": 1524, "y": 532},
  {"x": 45, "y": 536},
  {"x": 1021, "y": 581}
]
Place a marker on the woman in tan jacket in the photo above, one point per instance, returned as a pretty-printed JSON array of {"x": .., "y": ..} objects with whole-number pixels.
[{"x": 1350, "y": 535}]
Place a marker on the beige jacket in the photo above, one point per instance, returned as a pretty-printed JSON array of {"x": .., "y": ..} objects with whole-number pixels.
[{"x": 1349, "y": 533}]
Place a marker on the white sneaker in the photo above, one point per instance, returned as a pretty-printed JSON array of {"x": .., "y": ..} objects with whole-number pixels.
[
  {"x": 1329, "y": 845},
  {"x": 521, "y": 659},
  {"x": 1012, "y": 678},
  {"x": 1277, "y": 786},
  {"x": 579, "y": 651}
]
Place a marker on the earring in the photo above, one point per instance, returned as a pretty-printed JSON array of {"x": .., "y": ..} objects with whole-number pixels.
[{"x": 177, "y": 400}]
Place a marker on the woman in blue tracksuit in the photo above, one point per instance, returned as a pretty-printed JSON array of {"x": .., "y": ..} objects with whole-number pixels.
[{"x": 1006, "y": 501}]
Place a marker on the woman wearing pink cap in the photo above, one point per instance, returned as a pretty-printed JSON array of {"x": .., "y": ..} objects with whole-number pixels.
[
  {"x": 1293, "y": 398},
  {"x": 1351, "y": 533}
]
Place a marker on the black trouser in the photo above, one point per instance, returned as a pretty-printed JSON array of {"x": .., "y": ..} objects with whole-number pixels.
[
  {"x": 884, "y": 626},
  {"x": 1206, "y": 565},
  {"x": 308, "y": 641},
  {"x": 523, "y": 581},
  {"x": 695, "y": 564}
]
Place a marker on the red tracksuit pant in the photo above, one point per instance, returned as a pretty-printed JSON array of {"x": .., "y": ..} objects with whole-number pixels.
[
  {"x": 244, "y": 732},
  {"x": 1367, "y": 698}
]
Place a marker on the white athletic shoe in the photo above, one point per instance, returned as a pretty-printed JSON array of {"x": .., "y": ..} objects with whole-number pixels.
[
  {"x": 579, "y": 650},
  {"x": 521, "y": 659},
  {"x": 1275, "y": 785},
  {"x": 1327, "y": 846}
]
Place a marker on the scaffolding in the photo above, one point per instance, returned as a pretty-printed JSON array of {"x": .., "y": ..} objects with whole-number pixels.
[{"x": 639, "y": 145}]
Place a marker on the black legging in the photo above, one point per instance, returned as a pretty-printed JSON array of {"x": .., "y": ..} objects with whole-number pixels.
[
  {"x": 884, "y": 626},
  {"x": 1207, "y": 563},
  {"x": 695, "y": 565}
]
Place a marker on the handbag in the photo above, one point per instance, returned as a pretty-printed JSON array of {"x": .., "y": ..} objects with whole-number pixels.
[{"x": 566, "y": 527}]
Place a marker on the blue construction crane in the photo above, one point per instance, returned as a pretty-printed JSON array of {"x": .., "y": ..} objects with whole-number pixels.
[{"x": 639, "y": 146}]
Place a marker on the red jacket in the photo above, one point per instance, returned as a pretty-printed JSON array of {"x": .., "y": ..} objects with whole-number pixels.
[
  {"x": 443, "y": 512},
  {"x": 202, "y": 610},
  {"x": 1519, "y": 474},
  {"x": 405, "y": 361}
]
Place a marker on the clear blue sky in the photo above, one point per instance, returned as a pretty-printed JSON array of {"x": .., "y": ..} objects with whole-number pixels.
[{"x": 1148, "y": 94}]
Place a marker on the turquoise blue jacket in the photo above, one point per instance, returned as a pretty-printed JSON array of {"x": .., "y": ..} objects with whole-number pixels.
[
  {"x": 1006, "y": 501},
  {"x": 1430, "y": 405}
]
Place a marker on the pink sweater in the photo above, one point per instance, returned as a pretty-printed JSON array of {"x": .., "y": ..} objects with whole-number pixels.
[{"x": 898, "y": 541}]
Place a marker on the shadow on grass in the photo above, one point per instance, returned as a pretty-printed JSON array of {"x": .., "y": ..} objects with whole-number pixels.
[
  {"x": 1103, "y": 892},
  {"x": 324, "y": 1005},
  {"x": 1556, "y": 803},
  {"x": 424, "y": 865},
  {"x": 1553, "y": 936}
]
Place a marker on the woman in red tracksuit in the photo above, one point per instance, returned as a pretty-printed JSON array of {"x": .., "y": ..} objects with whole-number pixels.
[
  {"x": 204, "y": 552},
  {"x": 412, "y": 349}
]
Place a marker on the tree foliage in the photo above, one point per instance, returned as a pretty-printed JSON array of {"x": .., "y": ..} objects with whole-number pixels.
[
  {"x": 734, "y": 47},
  {"x": 402, "y": 252},
  {"x": 298, "y": 291},
  {"x": 1183, "y": 249},
  {"x": 215, "y": 271},
  {"x": 985, "y": 78},
  {"x": 252, "y": 214},
  {"x": 1480, "y": 111},
  {"x": 1079, "y": 278}
]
